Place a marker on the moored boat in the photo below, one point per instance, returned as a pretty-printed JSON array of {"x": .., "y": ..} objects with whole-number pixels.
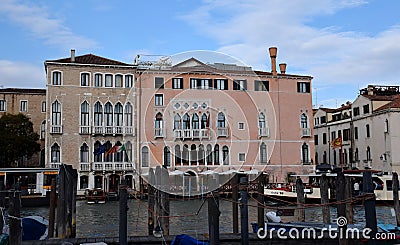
[{"x": 95, "y": 196}]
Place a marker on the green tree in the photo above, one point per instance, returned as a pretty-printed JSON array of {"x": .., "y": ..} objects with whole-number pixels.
[{"x": 18, "y": 141}]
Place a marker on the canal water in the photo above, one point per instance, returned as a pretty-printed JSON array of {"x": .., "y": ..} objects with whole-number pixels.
[{"x": 187, "y": 217}]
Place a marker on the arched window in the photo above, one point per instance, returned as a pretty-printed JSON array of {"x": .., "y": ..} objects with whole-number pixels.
[
  {"x": 85, "y": 114},
  {"x": 128, "y": 152},
  {"x": 195, "y": 121},
  {"x": 225, "y": 155},
  {"x": 98, "y": 114},
  {"x": 84, "y": 153},
  {"x": 324, "y": 158},
  {"x": 158, "y": 125},
  {"x": 177, "y": 122},
  {"x": 185, "y": 155},
  {"x": 204, "y": 121},
  {"x": 108, "y": 114},
  {"x": 261, "y": 120},
  {"x": 118, "y": 156},
  {"x": 304, "y": 121},
  {"x": 221, "y": 120},
  {"x": 83, "y": 180},
  {"x": 263, "y": 153},
  {"x": 145, "y": 156},
  {"x": 56, "y": 113},
  {"x": 304, "y": 153},
  {"x": 186, "y": 122},
  {"x": 55, "y": 153},
  {"x": 99, "y": 150},
  {"x": 167, "y": 157},
  {"x": 128, "y": 115},
  {"x": 216, "y": 155},
  {"x": 107, "y": 147},
  {"x": 201, "y": 157},
  {"x": 178, "y": 159},
  {"x": 209, "y": 155},
  {"x": 118, "y": 115},
  {"x": 193, "y": 155}
]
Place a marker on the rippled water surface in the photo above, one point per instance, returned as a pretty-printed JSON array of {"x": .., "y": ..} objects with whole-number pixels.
[{"x": 103, "y": 219}]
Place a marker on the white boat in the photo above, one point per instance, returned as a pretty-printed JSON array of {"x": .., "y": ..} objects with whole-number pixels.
[{"x": 276, "y": 192}]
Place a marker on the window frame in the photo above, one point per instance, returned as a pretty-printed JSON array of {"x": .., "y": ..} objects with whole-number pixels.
[
  {"x": 303, "y": 87},
  {"x": 23, "y": 105},
  {"x": 85, "y": 79},
  {"x": 3, "y": 105},
  {"x": 261, "y": 85},
  {"x": 159, "y": 100},
  {"x": 177, "y": 83},
  {"x": 55, "y": 79},
  {"x": 157, "y": 84}
]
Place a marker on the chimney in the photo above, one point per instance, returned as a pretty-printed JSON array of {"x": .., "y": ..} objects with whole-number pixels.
[
  {"x": 72, "y": 55},
  {"x": 272, "y": 54},
  {"x": 282, "y": 67}
]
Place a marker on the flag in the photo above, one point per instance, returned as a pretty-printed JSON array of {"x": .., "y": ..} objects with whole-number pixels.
[
  {"x": 336, "y": 143},
  {"x": 99, "y": 150},
  {"x": 121, "y": 148},
  {"x": 112, "y": 150}
]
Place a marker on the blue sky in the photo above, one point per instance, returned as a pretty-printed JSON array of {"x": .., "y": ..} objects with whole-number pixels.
[{"x": 344, "y": 44}]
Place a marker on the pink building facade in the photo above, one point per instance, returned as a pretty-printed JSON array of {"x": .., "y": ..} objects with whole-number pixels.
[{"x": 196, "y": 117}]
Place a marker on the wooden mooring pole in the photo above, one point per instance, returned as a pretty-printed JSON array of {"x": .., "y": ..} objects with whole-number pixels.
[
  {"x": 150, "y": 212},
  {"x": 244, "y": 211},
  {"x": 235, "y": 206},
  {"x": 165, "y": 201},
  {"x": 213, "y": 218},
  {"x": 395, "y": 183},
  {"x": 301, "y": 216},
  {"x": 53, "y": 200},
  {"x": 123, "y": 208},
  {"x": 260, "y": 200},
  {"x": 348, "y": 197},
  {"x": 14, "y": 215},
  {"x": 369, "y": 205},
  {"x": 324, "y": 188}
]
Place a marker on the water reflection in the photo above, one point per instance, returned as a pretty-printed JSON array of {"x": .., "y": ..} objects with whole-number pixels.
[{"x": 102, "y": 220}]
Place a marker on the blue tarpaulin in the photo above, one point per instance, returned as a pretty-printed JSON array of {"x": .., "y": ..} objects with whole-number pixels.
[{"x": 187, "y": 240}]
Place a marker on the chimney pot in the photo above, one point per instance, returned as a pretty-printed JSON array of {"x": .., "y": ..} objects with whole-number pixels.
[
  {"x": 282, "y": 67},
  {"x": 272, "y": 53},
  {"x": 72, "y": 55}
]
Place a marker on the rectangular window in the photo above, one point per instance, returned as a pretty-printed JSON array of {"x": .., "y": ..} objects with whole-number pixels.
[
  {"x": 367, "y": 130},
  {"x": 366, "y": 109},
  {"x": 177, "y": 83},
  {"x": 128, "y": 81},
  {"x": 316, "y": 139},
  {"x": 386, "y": 129},
  {"x": 159, "y": 82},
  {"x": 356, "y": 111},
  {"x": 324, "y": 138},
  {"x": 346, "y": 134},
  {"x": 98, "y": 80},
  {"x": 109, "y": 80},
  {"x": 333, "y": 135},
  {"x": 323, "y": 119},
  {"x": 56, "y": 80},
  {"x": 3, "y": 105},
  {"x": 118, "y": 81},
  {"x": 85, "y": 79},
  {"x": 261, "y": 85},
  {"x": 159, "y": 100},
  {"x": 221, "y": 84},
  {"x": 303, "y": 87},
  {"x": 197, "y": 83},
  {"x": 241, "y": 126},
  {"x": 43, "y": 106},
  {"x": 356, "y": 133},
  {"x": 242, "y": 157},
  {"x": 23, "y": 105},
  {"x": 239, "y": 85}
]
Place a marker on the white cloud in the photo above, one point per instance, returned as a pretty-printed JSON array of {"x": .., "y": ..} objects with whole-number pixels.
[
  {"x": 42, "y": 25},
  {"x": 21, "y": 75},
  {"x": 246, "y": 29}
]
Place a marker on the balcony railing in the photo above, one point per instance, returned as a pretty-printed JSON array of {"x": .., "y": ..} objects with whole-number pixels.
[
  {"x": 84, "y": 166},
  {"x": 192, "y": 133},
  {"x": 113, "y": 130},
  {"x": 158, "y": 132},
  {"x": 113, "y": 166},
  {"x": 56, "y": 129},
  {"x": 306, "y": 132},
  {"x": 263, "y": 132},
  {"x": 84, "y": 130},
  {"x": 222, "y": 132},
  {"x": 55, "y": 165}
]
